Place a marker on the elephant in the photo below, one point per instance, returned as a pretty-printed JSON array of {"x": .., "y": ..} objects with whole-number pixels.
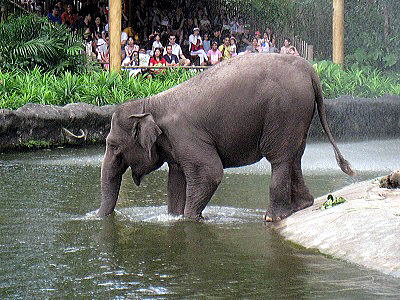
[{"x": 231, "y": 115}]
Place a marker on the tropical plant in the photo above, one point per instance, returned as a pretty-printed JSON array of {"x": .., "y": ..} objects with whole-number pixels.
[{"x": 30, "y": 41}]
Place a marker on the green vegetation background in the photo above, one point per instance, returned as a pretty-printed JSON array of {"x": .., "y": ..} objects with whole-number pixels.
[{"x": 41, "y": 62}]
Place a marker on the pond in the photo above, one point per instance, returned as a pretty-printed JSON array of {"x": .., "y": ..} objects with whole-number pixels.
[{"x": 51, "y": 245}]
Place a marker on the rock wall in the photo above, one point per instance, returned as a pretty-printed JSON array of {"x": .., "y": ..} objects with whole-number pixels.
[
  {"x": 359, "y": 119},
  {"x": 46, "y": 125},
  {"x": 35, "y": 125}
]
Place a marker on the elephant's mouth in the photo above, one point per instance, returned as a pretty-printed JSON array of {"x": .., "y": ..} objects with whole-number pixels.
[{"x": 136, "y": 179}]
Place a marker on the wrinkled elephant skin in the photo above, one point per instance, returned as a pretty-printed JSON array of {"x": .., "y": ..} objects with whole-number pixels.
[{"x": 234, "y": 114}]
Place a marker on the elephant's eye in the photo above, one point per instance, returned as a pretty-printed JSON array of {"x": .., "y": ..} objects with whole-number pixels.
[{"x": 113, "y": 147}]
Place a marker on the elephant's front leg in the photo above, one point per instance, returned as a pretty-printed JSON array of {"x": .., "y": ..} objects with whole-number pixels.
[
  {"x": 280, "y": 205},
  {"x": 202, "y": 182},
  {"x": 176, "y": 190}
]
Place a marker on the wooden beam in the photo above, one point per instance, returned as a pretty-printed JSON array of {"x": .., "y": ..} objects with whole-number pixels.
[
  {"x": 115, "y": 34},
  {"x": 338, "y": 32}
]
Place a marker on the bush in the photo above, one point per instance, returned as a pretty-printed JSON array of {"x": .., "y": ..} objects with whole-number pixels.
[
  {"x": 102, "y": 88},
  {"x": 97, "y": 88},
  {"x": 356, "y": 81},
  {"x": 29, "y": 42}
]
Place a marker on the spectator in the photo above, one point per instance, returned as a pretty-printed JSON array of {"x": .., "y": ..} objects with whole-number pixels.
[
  {"x": 68, "y": 17},
  {"x": 124, "y": 40},
  {"x": 233, "y": 49},
  {"x": 217, "y": 36},
  {"x": 272, "y": 47},
  {"x": 287, "y": 48},
  {"x": 129, "y": 49},
  {"x": 102, "y": 47},
  {"x": 225, "y": 49},
  {"x": 156, "y": 44},
  {"x": 54, "y": 15},
  {"x": 97, "y": 28},
  {"x": 177, "y": 50},
  {"x": 157, "y": 61},
  {"x": 214, "y": 55},
  {"x": 177, "y": 23},
  {"x": 254, "y": 48},
  {"x": 85, "y": 27},
  {"x": 196, "y": 46},
  {"x": 205, "y": 24},
  {"x": 170, "y": 58},
  {"x": 264, "y": 43},
  {"x": 206, "y": 43}
]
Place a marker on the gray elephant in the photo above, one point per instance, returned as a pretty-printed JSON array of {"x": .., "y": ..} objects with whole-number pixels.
[{"x": 234, "y": 114}]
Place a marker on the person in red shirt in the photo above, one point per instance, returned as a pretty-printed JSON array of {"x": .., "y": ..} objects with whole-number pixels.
[
  {"x": 157, "y": 60},
  {"x": 68, "y": 17}
]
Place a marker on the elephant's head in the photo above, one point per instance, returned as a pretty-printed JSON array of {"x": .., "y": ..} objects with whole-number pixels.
[{"x": 130, "y": 143}]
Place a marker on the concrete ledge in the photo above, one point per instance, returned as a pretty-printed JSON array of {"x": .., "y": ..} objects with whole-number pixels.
[
  {"x": 42, "y": 125},
  {"x": 364, "y": 230}
]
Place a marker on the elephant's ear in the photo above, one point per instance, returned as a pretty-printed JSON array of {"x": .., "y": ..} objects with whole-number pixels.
[{"x": 145, "y": 131}]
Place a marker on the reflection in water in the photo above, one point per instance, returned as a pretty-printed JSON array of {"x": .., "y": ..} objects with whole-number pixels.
[{"x": 50, "y": 246}]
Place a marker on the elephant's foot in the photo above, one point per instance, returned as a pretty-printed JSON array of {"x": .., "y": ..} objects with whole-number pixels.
[
  {"x": 196, "y": 218},
  {"x": 300, "y": 203},
  {"x": 277, "y": 213}
]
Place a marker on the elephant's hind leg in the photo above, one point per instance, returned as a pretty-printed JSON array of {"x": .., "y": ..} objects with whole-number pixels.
[
  {"x": 280, "y": 205},
  {"x": 176, "y": 190},
  {"x": 300, "y": 195}
]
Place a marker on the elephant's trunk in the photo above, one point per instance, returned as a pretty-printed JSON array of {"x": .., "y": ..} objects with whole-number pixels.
[{"x": 110, "y": 186}]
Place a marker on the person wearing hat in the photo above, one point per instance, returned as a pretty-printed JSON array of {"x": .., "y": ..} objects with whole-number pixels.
[{"x": 196, "y": 46}]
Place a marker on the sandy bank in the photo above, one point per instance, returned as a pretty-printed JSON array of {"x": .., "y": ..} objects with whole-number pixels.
[{"x": 364, "y": 230}]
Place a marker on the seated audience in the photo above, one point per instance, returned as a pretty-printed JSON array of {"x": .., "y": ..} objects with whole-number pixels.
[
  {"x": 156, "y": 44},
  {"x": 177, "y": 50},
  {"x": 68, "y": 17},
  {"x": 287, "y": 48},
  {"x": 233, "y": 48},
  {"x": 157, "y": 61},
  {"x": 129, "y": 50},
  {"x": 170, "y": 58},
  {"x": 214, "y": 55},
  {"x": 196, "y": 46},
  {"x": 206, "y": 43},
  {"x": 53, "y": 16},
  {"x": 272, "y": 47},
  {"x": 225, "y": 49},
  {"x": 264, "y": 43},
  {"x": 254, "y": 48}
]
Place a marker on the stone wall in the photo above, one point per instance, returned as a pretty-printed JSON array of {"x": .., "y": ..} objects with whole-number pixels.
[{"x": 45, "y": 125}]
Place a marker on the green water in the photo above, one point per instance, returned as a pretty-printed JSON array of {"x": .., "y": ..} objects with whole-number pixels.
[{"x": 51, "y": 246}]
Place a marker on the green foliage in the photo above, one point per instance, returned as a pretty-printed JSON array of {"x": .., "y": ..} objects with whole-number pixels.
[
  {"x": 102, "y": 88},
  {"x": 29, "y": 42},
  {"x": 97, "y": 88},
  {"x": 355, "y": 81},
  {"x": 332, "y": 201}
]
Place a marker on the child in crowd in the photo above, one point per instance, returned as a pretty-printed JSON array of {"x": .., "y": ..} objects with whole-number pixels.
[
  {"x": 206, "y": 43},
  {"x": 156, "y": 44},
  {"x": 233, "y": 48},
  {"x": 214, "y": 55}
]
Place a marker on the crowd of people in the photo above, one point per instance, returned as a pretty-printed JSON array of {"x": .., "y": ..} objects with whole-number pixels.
[{"x": 166, "y": 37}]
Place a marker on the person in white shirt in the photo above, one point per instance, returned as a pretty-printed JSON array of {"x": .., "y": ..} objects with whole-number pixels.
[
  {"x": 177, "y": 50},
  {"x": 196, "y": 46},
  {"x": 156, "y": 44}
]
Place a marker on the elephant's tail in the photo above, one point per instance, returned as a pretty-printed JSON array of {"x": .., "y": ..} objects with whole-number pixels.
[{"x": 343, "y": 163}]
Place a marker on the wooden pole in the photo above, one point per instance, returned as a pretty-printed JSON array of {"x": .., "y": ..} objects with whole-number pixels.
[
  {"x": 338, "y": 32},
  {"x": 115, "y": 34}
]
